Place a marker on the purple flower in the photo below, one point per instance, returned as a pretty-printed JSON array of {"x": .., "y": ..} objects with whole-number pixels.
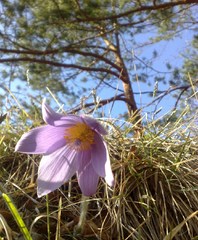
[{"x": 70, "y": 144}]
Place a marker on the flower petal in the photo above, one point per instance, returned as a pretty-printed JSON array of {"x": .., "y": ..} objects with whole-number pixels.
[
  {"x": 49, "y": 115},
  {"x": 87, "y": 177},
  {"x": 55, "y": 169},
  {"x": 58, "y": 120},
  {"x": 101, "y": 161},
  {"x": 41, "y": 140},
  {"x": 95, "y": 125}
]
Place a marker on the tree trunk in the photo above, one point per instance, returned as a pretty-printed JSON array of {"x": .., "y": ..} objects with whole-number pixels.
[{"x": 133, "y": 111}]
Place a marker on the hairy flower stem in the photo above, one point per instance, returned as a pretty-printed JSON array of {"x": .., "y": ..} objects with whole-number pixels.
[
  {"x": 48, "y": 217},
  {"x": 83, "y": 213}
]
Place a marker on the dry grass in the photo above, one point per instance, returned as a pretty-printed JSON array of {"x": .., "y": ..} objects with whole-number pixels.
[{"x": 155, "y": 196}]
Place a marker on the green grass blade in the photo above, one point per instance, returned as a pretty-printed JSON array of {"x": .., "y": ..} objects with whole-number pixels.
[
  {"x": 175, "y": 230},
  {"x": 17, "y": 217}
]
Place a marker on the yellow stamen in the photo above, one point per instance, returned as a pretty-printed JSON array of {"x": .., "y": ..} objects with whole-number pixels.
[{"x": 80, "y": 136}]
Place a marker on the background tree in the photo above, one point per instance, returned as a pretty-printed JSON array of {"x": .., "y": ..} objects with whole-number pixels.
[{"x": 77, "y": 46}]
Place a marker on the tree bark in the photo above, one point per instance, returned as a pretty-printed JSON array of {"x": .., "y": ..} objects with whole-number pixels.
[{"x": 124, "y": 77}]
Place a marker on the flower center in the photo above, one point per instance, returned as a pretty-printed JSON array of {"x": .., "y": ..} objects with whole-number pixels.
[{"x": 80, "y": 136}]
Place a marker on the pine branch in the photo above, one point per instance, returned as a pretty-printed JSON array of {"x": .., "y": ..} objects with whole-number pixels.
[
  {"x": 58, "y": 64},
  {"x": 141, "y": 8}
]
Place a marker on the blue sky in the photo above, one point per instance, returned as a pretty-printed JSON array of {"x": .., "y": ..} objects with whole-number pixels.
[{"x": 169, "y": 52}]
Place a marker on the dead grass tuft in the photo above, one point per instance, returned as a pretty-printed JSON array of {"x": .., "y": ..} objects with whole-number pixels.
[{"x": 155, "y": 196}]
